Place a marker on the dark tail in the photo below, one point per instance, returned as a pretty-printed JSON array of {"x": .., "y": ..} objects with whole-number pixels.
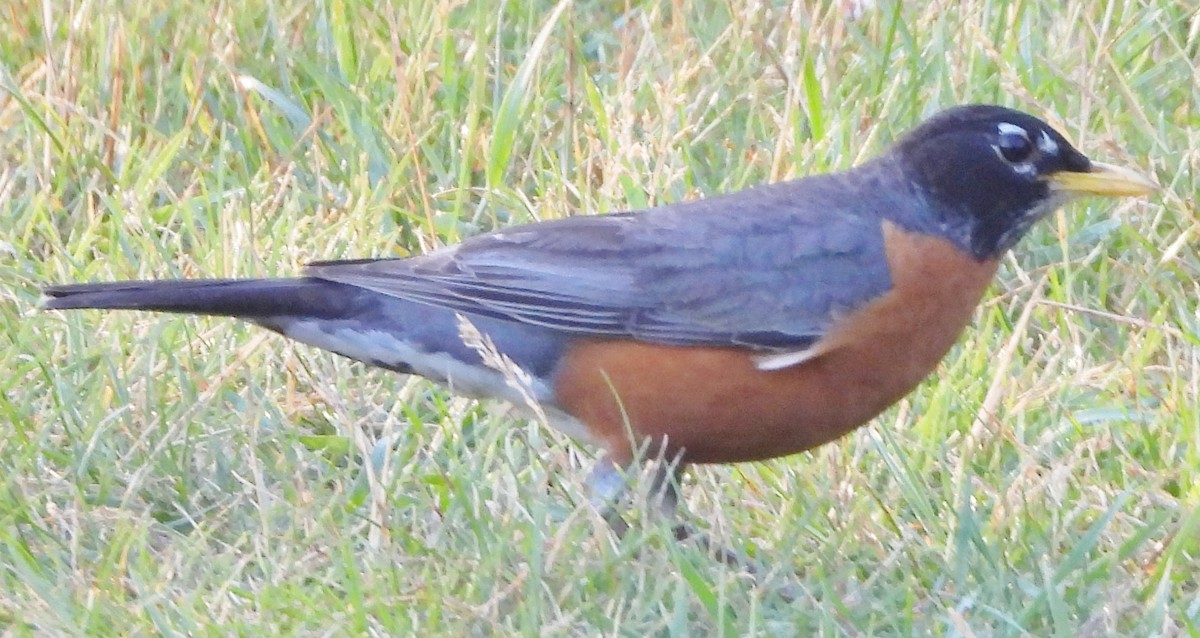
[{"x": 249, "y": 298}]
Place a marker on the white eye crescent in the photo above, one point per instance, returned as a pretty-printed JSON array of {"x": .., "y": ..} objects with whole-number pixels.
[
  {"x": 1014, "y": 145},
  {"x": 1047, "y": 145},
  {"x": 1011, "y": 129}
]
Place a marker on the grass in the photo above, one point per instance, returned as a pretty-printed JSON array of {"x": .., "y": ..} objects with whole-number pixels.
[{"x": 167, "y": 475}]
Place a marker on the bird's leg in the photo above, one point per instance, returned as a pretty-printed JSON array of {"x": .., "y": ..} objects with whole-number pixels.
[
  {"x": 607, "y": 486},
  {"x": 665, "y": 489},
  {"x": 668, "y": 478},
  {"x": 665, "y": 485},
  {"x": 606, "y": 489}
]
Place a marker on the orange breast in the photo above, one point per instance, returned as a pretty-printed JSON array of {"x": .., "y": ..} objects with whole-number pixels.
[{"x": 714, "y": 406}]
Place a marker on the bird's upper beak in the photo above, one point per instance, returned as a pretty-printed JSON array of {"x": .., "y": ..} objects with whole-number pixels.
[{"x": 1105, "y": 180}]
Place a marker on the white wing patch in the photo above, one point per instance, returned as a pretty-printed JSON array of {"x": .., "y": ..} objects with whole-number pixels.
[{"x": 781, "y": 360}]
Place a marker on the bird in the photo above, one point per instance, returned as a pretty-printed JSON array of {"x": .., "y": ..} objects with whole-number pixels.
[{"x": 738, "y": 327}]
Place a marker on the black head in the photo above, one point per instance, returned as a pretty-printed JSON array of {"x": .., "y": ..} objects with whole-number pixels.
[{"x": 988, "y": 173}]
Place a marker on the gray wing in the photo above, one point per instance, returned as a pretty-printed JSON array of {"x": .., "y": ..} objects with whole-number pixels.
[{"x": 769, "y": 269}]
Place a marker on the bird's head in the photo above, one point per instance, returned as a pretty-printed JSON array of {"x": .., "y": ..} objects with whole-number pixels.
[{"x": 988, "y": 173}]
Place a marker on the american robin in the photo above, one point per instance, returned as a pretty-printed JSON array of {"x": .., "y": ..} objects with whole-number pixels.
[{"x": 740, "y": 327}]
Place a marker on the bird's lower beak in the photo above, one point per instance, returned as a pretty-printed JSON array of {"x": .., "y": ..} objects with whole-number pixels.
[{"x": 1105, "y": 180}]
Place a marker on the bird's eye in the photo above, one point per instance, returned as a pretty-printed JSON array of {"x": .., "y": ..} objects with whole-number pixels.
[{"x": 1015, "y": 146}]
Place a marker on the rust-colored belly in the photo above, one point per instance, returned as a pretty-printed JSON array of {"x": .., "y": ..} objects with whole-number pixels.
[{"x": 715, "y": 406}]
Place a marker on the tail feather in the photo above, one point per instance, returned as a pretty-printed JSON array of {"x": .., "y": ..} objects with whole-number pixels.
[
  {"x": 250, "y": 298},
  {"x": 361, "y": 324}
]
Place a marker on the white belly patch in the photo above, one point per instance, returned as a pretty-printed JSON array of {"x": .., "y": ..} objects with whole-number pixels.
[{"x": 385, "y": 349}]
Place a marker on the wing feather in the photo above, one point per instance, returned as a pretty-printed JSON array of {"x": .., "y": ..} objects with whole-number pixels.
[{"x": 768, "y": 269}]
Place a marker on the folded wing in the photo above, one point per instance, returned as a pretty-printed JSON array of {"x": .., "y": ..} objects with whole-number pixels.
[{"x": 770, "y": 270}]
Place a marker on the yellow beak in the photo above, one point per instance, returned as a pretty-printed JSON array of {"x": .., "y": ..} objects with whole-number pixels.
[{"x": 1105, "y": 180}]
